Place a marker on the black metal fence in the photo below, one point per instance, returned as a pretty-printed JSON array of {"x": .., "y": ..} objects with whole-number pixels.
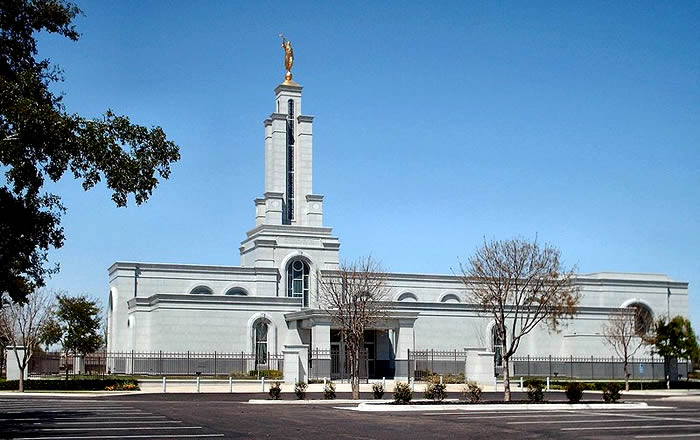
[
  {"x": 159, "y": 363},
  {"x": 331, "y": 364},
  {"x": 594, "y": 368},
  {"x": 423, "y": 363}
]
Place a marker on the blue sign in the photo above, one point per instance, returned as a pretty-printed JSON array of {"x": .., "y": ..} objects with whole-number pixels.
[{"x": 641, "y": 368}]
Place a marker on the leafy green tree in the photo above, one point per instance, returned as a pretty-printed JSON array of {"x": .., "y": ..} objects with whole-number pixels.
[
  {"x": 675, "y": 339},
  {"x": 40, "y": 140},
  {"x": 50, "y": 333},
  {"x": 79, "y": 318}
]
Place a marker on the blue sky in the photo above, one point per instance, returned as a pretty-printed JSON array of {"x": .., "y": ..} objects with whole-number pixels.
[{"x": 437, "y": 123}]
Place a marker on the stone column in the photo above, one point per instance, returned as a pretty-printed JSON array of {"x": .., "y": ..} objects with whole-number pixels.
[
  {"x": 479, "y": 366},
  {"x": 404, "y": 342},
  {"x": 78, "y": 364},
  {"x": 321, "y": 348},
  {"x": 12, "y": 367},
  {"x": 296, "y": 363}
]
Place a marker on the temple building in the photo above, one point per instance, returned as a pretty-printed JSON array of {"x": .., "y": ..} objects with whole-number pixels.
[{"x": 270, "y": 302}]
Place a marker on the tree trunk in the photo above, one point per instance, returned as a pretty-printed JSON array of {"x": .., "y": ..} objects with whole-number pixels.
[
  {"x": 355, "y": 379},
  {"x": 506, "y": 379},
  {"x": 627, "y": 376},
  {"x": 21, "y": 378}
]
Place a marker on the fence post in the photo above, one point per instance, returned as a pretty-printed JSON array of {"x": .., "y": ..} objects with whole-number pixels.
[
  {"x": 521, "y": 383},
  {"x": 164, "y": 386},
  {"x": 214, "y": 363},
  {"x": 197, "y": 383},
  {"x": 409, "y": 365},
  {"x": 592, "y": 371},
  {"x": 230, "y": 384},
  {"x": 571, "y": 366},
  {"x": 547, "y": 383},
  {"x": 432, "y": 360},
  {"x": 132, "y": 361},
  {"x": 188, "y": 362},
  {"x": 244, "y": 370},
  {"x": 612, "y": 366},
  {"x": 528, "y": 365},
  {"x": 550, "y": 366},
  {"x": 263, "y": 384},
  {"x": 653, "y": 373}
]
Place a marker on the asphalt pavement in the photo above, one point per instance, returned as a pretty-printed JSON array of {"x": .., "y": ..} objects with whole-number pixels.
[{"x": 212, "y": 415}]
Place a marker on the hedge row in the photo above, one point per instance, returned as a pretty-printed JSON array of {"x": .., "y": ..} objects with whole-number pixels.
[
  {"x": 634, "y": 385},
  {"x": 66, "y": 385}
]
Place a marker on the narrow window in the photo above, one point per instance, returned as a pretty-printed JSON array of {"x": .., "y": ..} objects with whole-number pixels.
[
  {"x": 289, "y": 214},
  {"x": 497, "y": 344},
  {"x": 260, "y": 331}
]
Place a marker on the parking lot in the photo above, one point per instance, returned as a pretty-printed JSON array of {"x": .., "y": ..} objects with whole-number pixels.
[
  {"x": 51, "y": 418},
  {"x": 229, "y": 416}
]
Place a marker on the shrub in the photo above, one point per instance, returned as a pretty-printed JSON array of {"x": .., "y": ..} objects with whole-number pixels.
[
  {"x": 275, "y": 391},
  {"x": 329, "y": 391},
  {"x": 377, "y": 390},
  {"x": 434, "y": 389},
  {"x": 300, "y": 390},
  {"x": 574, "y": 391},
  {"x": 402, "y": 392},
  {"x": 72, "y": 384},
  {"x": 472, "y": 392},
  {"x": 267, "y": 374},
  {"x": 535, "y": 390},
  {"x": 611, "y": 392}
]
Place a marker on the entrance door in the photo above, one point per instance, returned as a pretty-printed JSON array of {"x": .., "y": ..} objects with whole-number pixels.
[{"x": 371, "y": 350}]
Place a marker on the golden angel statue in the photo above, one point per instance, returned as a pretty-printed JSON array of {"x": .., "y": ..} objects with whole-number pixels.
[{"x": 288, "y": 57}]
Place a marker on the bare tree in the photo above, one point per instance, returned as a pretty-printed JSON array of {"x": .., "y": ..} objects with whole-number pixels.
[
  {"x": 22, "y": 325},
  {"x": 520, "y": 284},
  {"x": 354, "y": 297},
  {"x": 622, "y": 334}
]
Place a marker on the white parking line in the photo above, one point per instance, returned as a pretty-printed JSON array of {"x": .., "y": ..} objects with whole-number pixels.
[
  {"x": 693, "y": 434},
  {"x": 145, "y": 418},
  {"x": 129, "y": 428},
  {"x": 607, "y": 428},
  {"x": 87, "y": 422},
  {"x": 121, "y": 436},
  {"x": 563, "y": 422}
]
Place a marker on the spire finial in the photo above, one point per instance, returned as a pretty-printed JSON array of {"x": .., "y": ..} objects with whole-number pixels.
[{"x": 288, "y": 57}]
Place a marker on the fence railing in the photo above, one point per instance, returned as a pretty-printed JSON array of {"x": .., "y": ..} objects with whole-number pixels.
[
  {"x": 423, "y": 363},
  {"x": 156, "y": 363},
  {"x": 594, "y": 368}
]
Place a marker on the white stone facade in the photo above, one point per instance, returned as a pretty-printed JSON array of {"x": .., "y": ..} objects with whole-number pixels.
[{"x": 178, "y": 307}]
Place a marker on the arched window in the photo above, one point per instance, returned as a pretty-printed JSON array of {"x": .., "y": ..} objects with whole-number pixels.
[
  {"x": 643, "y": 318},
  {"x": 450, "y": 298},
  {"x": 408, "y": 296},
  {"x": 201, "y": 290},
  {"x": 298, "y": 280},
  {"x": 236, "y": 291},
  {"x": 496, "y": 346},
  {"x": 260, "y": 343}
]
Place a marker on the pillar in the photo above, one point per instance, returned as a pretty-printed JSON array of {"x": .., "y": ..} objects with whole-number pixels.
[
  {"x": 404, "y": 342},
  {"x": 479, "y": 366},
  {"x": 12, "y": 367}
]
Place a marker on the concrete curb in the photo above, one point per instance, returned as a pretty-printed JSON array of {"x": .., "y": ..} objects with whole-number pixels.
[
  {"x": 70, "y": 394},
  {"x": 387, "y": 407},
  {"x": 305, "y": 402}
]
